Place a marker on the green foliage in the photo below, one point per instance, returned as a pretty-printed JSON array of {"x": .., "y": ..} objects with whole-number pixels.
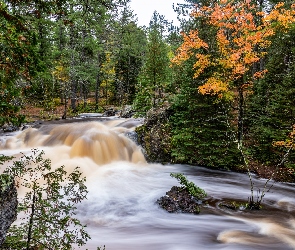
[
  {"x": 48, "y": 206},
  {"x": 5, "y": 181},
  {"x": 272, "y": 104},
  {"x": 155, "y": 136},
  {"x": 202, "y": 132},
  {"x": 129, "y": 59},
  {"x": 155, "y": 76},
  {"x": 9, "y": 106},
  {"x": 18, "y": 63},
  {"x": 194, "y": 190}
]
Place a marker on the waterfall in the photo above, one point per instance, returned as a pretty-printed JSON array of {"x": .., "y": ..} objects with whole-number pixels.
[
  {"x": 102, "y": 143},
  {"x": 121, "y": 210}
]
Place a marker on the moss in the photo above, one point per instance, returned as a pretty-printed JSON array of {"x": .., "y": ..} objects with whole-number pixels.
[{"x": 155, "y": 136}]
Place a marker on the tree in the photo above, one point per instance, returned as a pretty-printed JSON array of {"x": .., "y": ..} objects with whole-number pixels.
[
  {"x": 108, "y": 78},
  {"x": 201, "y": 124},
  {"x": 48, "y": 206},
  {"x": 19, "y": 62},
  {"x": 155, "y": 74},
  {"x": 271, "y": 105},
  {"x": 129, "y": 60},
  {"x": 240, "y": 43}
]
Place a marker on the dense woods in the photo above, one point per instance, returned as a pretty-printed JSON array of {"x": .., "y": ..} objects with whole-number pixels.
[{"x": 225, "y": 76}]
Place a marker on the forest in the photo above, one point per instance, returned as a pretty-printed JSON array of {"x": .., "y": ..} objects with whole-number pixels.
[{"x": 221, "y": 84}]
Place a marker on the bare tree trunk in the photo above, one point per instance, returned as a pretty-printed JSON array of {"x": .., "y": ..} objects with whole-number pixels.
[
  {"x": 240, "y": 115},
  {"x": 31, "y": 219},
  {"x": 64, "y": 116},
  {"x": 74, "y": 87}
]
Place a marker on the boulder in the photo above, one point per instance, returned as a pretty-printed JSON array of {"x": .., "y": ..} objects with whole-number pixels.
[
  {"x": 109, "y": 112},
  {"x": 8, "y": 206},
  {"x": 9, "y": 128},
  {"x": 178, "y": 199},
  {"x": 155, "y": 135},
  {"x": 127, "y": 112}
]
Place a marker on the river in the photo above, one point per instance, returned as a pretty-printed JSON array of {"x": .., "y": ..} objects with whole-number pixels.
[{"x": 121, "y": 211}]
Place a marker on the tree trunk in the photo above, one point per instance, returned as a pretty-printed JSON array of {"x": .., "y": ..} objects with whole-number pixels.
[
  {"x": 64, "y": 116},
  {"x": 97, "y": 85},
  {"x": 31, "y": 219},
  {"x": 240, "y": 115},
  {"x": 74, "y": 87}
]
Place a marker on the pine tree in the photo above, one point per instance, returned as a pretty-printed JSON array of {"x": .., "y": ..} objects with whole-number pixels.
[
  {"x": 155, "y": 75},
  {"x": 272, "y": 106}
]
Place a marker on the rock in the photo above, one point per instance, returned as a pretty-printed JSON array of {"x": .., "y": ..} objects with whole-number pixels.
[
  {"x": 9, "y": 128},
  {"x": 8, "y": 207},
  {"x": 127, "y": 112},
  {"x": 109, "y": 112},
  {"x": 132, "y": 136},
  {"x": 178, "y": 199},
  {"x": 155, "y": 136},
  {"x": 25, "y": 127}
]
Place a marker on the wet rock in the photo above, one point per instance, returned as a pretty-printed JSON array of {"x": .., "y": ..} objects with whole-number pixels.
[
  {"x": 178, "y": 199},
  {"x": 127, "y": 112},
  {"x": 155, "y": 136},
  {"x": 109, "y": 112},
  {"x": 8, "y": 208},
  {"x": 230, "y": 205},
  {"x": 132, "y": 136},
  {"x": 9, "y": 128}
]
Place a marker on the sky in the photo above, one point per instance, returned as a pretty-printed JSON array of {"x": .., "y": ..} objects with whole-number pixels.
[{"x": 144, "y": 10}]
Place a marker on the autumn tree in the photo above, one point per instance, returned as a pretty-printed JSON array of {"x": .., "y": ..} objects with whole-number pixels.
[
  {"x": 201, "y": 124},
  {"x": 240, "y": 43}
]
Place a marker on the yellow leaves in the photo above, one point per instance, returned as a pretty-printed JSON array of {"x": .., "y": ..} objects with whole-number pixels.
[
  {"x": 108, "y": 69},
  {"x": 250, "y": 58},
  {"x": 260, "y": 74},
  {"x": 214, "y": 86},
  {"x": 222, "y": 39},
  {"x": 60, "y": 72},
  {"x": 239, "y": 70},
  {"x": 202, "y": 63},
  {"x": 282, "y": 18},
  {"x": 289, "y": 142},
  {"x": 235, "y": 56}
]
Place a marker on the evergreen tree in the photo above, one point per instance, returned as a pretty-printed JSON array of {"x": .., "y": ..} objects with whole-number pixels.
[
  {"x": 19, "y": 61},
  {"x": 202, "y": 133},
  {"x": 155, "y": 75},
  {"x": 272, "y": 105},
  {"x": 202, "y": 125}
]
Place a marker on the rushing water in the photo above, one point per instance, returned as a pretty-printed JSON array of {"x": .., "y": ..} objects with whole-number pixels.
[{"x": 121, "y": 210}]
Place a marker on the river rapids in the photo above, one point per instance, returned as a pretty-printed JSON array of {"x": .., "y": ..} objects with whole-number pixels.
[{"x": 121, "y": 211}]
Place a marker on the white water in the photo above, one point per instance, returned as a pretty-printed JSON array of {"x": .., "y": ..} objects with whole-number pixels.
[{"x": 121, "y": 210}]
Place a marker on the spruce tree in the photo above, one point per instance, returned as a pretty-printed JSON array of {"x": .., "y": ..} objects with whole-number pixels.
[{"x": 155, "y": 75}]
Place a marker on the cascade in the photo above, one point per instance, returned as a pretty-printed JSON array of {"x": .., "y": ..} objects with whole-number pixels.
[
  {"x": 121, "y": 210},
  {"x": 100, "y": 142}
]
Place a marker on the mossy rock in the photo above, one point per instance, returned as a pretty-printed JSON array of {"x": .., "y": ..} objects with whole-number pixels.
[
  {"x": 179, "y": 200},
  {"x": 155, "y": 136}
]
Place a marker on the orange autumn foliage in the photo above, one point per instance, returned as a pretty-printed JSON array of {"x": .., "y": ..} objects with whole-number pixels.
[
  {"x": 240, "y": 41},
  {"x": 289, "y": 142},
  {"x": 190, "y": 41}
]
